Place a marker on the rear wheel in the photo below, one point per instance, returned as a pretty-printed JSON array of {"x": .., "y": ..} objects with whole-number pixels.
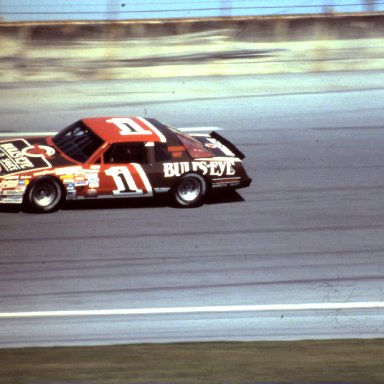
[
  {"x": 189, "y": 190},
  {"x": 44, "y": 195}
]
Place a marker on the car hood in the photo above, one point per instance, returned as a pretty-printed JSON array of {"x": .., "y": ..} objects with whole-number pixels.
[{"x": 29, "y": 154}]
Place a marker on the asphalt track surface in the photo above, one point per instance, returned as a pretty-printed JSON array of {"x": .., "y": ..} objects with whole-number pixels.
[{"x": 298, "y": 255}]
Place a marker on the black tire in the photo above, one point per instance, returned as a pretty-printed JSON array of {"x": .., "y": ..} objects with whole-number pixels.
[
  {"x": 44, "y": 194},
  {"x": 189, "y": 190}
]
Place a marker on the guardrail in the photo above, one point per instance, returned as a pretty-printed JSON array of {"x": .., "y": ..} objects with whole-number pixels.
[{"x": 78, "y": 50}]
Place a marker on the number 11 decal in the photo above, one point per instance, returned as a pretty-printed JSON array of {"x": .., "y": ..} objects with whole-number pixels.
[{"x": 130, "y": 180}]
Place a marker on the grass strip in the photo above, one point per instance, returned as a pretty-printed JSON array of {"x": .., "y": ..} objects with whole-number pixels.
[{"x": 339, "y": 361}]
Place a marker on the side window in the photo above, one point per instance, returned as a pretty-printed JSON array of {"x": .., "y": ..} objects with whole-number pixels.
[
  {"x": 162, "y": 153},
  {"x": 122, "y": 153}
]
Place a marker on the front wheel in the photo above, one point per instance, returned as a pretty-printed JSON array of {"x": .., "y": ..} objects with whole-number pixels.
[
  {"x": 44, "y": 195},
  {"x": 189, "y": 190}
]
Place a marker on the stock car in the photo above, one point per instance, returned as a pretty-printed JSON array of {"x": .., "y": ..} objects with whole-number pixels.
[{"x": 117, "y": 157}]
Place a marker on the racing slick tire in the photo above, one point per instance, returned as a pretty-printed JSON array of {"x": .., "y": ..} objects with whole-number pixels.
[
  {"x": 44, "y": 195},
  {"x": 189, "y": 190}
]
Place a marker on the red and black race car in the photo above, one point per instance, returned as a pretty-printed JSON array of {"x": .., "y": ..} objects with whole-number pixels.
[{"x": 115, "y": 157}]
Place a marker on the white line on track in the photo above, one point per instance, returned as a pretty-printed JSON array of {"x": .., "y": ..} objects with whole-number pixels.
[
  {"x": 30, "y": 134},
  {"x": 194, "y": 310},
  {"x": 197, "y": 129},
  {"x": 26, "y": 134}
]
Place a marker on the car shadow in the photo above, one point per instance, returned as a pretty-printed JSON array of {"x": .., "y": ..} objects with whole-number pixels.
[
  {"x": 156, "y": 202},
  {"x": 120, "y": 203},
  {"x": 224, "y": 196},
  {"x": 220, "y": 197},
  {"x": 10, "y": 208}
]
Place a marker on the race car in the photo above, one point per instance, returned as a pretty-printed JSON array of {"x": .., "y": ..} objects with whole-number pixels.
[{"x": 117, "y": 157}]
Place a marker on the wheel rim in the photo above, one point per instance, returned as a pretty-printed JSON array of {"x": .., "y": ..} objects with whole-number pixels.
[
  {"x": 44, "y": 194},
  {"x": 189, "y": 189}
]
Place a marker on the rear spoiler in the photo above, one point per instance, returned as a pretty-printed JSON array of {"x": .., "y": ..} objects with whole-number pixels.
[{"x": 228, "y": 144}]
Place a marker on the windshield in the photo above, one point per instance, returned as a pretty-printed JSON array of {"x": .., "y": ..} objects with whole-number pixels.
[{"x": 77, "y": 141}]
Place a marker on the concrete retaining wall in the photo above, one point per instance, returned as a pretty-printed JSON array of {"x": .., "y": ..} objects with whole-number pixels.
[{"x": 100, "y": 50}]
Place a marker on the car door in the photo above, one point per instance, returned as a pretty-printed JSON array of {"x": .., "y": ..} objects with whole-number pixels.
[{"x": 124, "y": 169}]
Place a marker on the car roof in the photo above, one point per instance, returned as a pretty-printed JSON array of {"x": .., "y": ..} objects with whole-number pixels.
[{"x": 116, "y": 129}]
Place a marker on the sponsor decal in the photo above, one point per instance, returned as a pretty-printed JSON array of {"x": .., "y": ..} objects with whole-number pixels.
[
  {"x": 81, "y": 183},
  {"x": 68, "y": 170},
  {"x": 13, "y": 192},
  {"x": 23, "y": 182},
  {"x": 38, "y": 151},
  {"x": 226, "y": 182},
  {"x": 160, "y": 190},
  {"x": 93, "y": 184},
  {"x": 42, "y": 173},
  {"x": 81, "y": 178},
  {"x": 92, "y": 175},
  {"x": 9, "y": 183},
  {"x": 14, "y": 157},
  {"x": 71, "y": 193},
  {"x": 210, "y": 168},
  {"x": 213, "y": 143},
  {"x": 67, "y": 179},
  {"x": 11, "y": 199}
]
